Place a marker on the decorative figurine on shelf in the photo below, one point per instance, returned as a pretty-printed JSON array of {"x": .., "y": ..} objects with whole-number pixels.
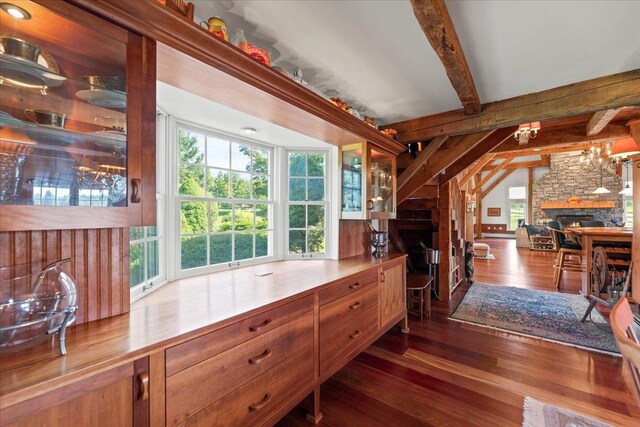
[
  {"x": 370, "y": 121},
  {"x": 392, "y": 133},
  {"x": 217, "y": 27},
  {"x": 262, "y": 55},
  {"x": 339, "y": 103}
]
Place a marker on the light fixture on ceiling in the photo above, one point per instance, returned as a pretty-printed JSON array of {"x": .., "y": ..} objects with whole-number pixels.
[
  {"x": 601, "y": 189},
  {"x": 526, "y": 131},
  {"x": 248, "y": 131},
  {"x": 627, "y": 190},
  {"x": 624, "y": 147},
  {"x": 15, "y": 11}
]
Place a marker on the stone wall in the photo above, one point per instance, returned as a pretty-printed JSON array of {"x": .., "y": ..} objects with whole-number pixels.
[{"x": 566, "y": 178}]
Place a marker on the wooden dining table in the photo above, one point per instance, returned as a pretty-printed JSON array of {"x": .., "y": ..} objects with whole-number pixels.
[{"x": 588, "y": 235}]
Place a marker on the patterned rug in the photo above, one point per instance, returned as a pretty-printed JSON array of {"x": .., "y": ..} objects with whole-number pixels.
[
  {"x": 539, "y": 414},
  {"x": 551, "y": 316}
]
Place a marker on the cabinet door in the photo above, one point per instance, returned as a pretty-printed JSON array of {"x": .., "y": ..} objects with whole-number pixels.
[
  {"x": 381, "y": 183},
  {"x": 117, "y": 397},
  {"x": 77, "y": 122},
  {"x": 392, "y": 292}
]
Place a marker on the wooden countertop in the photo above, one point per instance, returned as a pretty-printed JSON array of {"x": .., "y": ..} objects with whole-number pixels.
[
  {"x": 601, "y": 231},
  {"x": 175, "y": 313}
]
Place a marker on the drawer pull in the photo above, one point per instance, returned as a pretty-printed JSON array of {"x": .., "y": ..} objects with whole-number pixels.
[
  {"x": 259, "y": 405},
  {"x": 143, "y": 381},
  {"x": 356, "y": 334},
  {"x": 355, "y": 285},
  {"x": 260, "y": 326},
  {"x": 354, "y": 306},
  {"x": 257, "y": 359},
  {"x": 382, "y": 277}
]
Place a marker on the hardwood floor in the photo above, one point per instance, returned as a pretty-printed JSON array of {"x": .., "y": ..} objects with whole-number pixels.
[{"x": 446, "y": 373}]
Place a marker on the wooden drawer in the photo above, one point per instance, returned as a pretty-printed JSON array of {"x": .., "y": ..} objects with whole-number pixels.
[
  {"x": 345, "y": 338},
  {"x": 344, "y": 309},
  {"x": 255, "y": 401},
  {"x": 347, "y": 286},
  {"x": 198, "y": 349}
]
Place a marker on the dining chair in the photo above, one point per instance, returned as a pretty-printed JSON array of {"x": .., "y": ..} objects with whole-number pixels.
[
  {"x": 622, "y": 324},
  {"x": 567, "y": 250}
]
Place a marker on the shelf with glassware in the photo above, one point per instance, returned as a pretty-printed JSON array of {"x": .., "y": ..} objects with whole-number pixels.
[
  {"x": 368, "y": 182},
  {"x": 73, "y": 123}
]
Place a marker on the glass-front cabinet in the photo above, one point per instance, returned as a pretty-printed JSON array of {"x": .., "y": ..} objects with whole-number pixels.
[
  {"x": 68, "y": 124},
  {"x": 368, "y": 182}
]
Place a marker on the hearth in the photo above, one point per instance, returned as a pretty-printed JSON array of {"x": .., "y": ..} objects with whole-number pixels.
[{"x": 572, "y": 220}]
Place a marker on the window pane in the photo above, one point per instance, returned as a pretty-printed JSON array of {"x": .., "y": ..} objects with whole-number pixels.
[
  {"x": 297, "y": 242},
  {"x": 262, "y": 243},
  {"x": 516, "y": 212},
  {"x": 190, "y": 147},
  {"x": 262, "y": 217},
  {"x": 243, "y": 246},
  {"x": 518, "y": 193},
  {"x": 218, "y": 183},
  {"x": 220, "y": 248},
  {"x": 316, "y": 164},
  {"x": 136, "y": 233},
  {"x": 297, "y": 164},
  {"x": 220, "y": 217},
  {"x": 260, "y": 187},
  {"x": 260, "y": 161},
  {"x": 296, "y": 189},
  {"x": 191, "y": 181},
  {"x": 243, "y": 217},
  {"x": 193, "y": 217},
  {"x": 153, "y": 262},
  {"x": 315, "y": 216},
  {"x": 152, "y": 231},
  {"x": 316, "y": 241},
  {"x": 136, "y": 264},
  {"x": 217, "y": 152},
  {"x": 316, "y": 189},
  {"x": 193, "y": 252},
  {"x": 240, "y": 185},
  {"x": 240, "y": 157},
  {"x": 296, "y": 216}
]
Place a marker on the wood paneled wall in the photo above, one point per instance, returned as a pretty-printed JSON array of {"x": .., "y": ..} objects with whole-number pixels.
[
  {"x": 354, "y": 238},
  {"x": 99, "y": 264}
]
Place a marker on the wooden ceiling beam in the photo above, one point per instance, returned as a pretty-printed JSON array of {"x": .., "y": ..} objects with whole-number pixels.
[
  {"x": 497, "y": 138},
  {"x": 495, "y": 183},
  {"x": 491, "y": 174},
  {"x": 614, "y": 91},
  {"x": 420, "y": 160},
  {"x": 563, "y": 137},
  {"x": 477, "y": 167},
  {"x": 433, "y": 17},
  {"x": 544, "y": 161},
  {"x": 440, "y": 160},
  {"x": 546, "y": 151},
  {"x": 600, "y": 119}
]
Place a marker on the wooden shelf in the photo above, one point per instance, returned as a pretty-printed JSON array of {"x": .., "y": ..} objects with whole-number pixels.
[
  {"x": 234, "y": 78},
  {"x": 579, "y": 205}
]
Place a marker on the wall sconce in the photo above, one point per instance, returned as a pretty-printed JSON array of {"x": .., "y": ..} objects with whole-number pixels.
[{"x": 526, "y": 131}]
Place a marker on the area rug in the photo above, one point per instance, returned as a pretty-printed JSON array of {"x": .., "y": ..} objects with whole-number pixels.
[
  {"x": 551, "y": 316},
  {"x": 539, "y": 414},
  {"x": 490, "y": 256}
]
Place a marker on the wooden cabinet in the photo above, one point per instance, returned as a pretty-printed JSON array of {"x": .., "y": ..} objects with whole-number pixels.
[
  {"x": 117, "y": 397},
  {"x": 368, "y": 182},
  {"x": 77, "y": 122},
  {"x": 227, "y": 384},
  {"x": 392, "y": 292}
]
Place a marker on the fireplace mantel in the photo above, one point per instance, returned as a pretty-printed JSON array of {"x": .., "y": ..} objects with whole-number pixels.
[{"x": 609, "y": 204}]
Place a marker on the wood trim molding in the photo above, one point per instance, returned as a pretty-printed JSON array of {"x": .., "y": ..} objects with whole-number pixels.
[
  {"x": 491, "y": 174},
  {"x": 616, "y": 90},
  {"x": 420, "y": 161},
  {"x": 544, "y": 161},
  {"x": 433, "y": 17},
  {"x": 495, "y": 183},
  {"x": 579, "y": 205},
  {"x": 600, "y": 119}
]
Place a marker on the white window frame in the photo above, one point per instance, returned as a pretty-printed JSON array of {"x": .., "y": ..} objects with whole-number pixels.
[
  {"x": 329, "y": 211},
  {"x": 174, "y": 199},
  {"x": 524, "y": 201}
]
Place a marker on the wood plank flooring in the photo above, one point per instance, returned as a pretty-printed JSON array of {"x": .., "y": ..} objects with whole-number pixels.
[{"x": 446, "y": 373}]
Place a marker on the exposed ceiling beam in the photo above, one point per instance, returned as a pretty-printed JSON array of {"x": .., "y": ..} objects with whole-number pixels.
[
  {"x": 426, "y": 192},
  {"x": 436, "y": 24},
  {"x": 614, "y": 91},
  {"x": 497, "y": 138},
  {"x": 600, "y": 119},
  {"x": 506, "y": 173},
  {"x": 481, "y": 163},
  {"x": 543, "y": 151},
  {"x": 491, "y": 174},
  {"x": 563, "y": 137},
  {"x": 456, "y": 147},
  {"x": 420, "y": 160},
  {"x": 544, "y": 161}
]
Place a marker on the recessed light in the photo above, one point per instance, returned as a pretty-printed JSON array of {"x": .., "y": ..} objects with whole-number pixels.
[
  {"x": 248, "y": 131},
  {"x": 15, "y": 11}
]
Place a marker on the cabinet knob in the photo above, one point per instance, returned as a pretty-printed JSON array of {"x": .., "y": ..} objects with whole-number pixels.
[
  {"x": 382, "y": 277},
  {"x": 143, "y": 382},
  {"x": 135, "y": 190}
]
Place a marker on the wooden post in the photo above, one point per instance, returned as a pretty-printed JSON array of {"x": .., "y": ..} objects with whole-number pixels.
[
  {"x": 444, "y": 241},
  {"x": 530, "y": 198},
  {"x": 635, "y": 284},
  {"x": 477, "y": 179}
]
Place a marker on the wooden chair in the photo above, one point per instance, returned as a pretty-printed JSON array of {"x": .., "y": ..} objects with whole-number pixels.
[
  {"x": 184, "y": 9},
  {"x": 566, "y": 249},
  {"x": 627, "y": 339},
  {"x": 419, "y": 284}
]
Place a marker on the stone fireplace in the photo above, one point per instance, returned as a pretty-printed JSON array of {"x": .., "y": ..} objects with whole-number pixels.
[{"x": 567, "y": 179}]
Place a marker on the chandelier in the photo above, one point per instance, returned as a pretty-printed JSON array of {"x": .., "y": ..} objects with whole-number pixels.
[{"x": 526, "y": 131}]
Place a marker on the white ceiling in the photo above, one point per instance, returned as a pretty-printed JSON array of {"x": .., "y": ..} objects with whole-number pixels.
[
  {"x": 195, "y": 109},
  {"x": 374, "y": 55}
]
